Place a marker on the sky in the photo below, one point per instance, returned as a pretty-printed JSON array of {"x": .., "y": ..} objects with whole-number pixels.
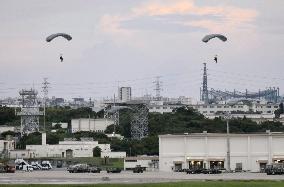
[{"x": 130, "y": 43}]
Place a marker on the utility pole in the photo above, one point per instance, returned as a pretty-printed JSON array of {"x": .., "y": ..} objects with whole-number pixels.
[{"x": 227, "y": 117}]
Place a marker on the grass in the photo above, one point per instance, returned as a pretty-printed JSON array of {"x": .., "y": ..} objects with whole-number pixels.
[{"x": 176, "y": 184}]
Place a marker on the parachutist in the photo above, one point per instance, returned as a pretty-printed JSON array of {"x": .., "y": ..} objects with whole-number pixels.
[
  {"x": 216, "y": 59},
  {"x": 61, "y": 58}
]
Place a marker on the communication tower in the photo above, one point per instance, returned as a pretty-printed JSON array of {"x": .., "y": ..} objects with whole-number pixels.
[
  {"x": 45, "y": 97},
  {"x": 139, "y": 122},
  {"x": 158, "y": 88},
  {"x": 204, "y": 95},
  {"x": 30, "y": 112}
]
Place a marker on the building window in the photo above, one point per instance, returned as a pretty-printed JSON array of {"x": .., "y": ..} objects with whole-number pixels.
[
  {"x": 275, "y": 106},
  {"x": 150, "y": 107},
  {"x": 269, "y": 111},
  {"x": 268, "y": 106},
  {"x": 204, "y": 106},
  {"x": 157, "y": 107},
  {"x": 165, "y": 107},
  {"x": 211, "y": 112},
  {"x": 219, "y": 106},
  {"x": 204, "y": 112},
  {"x": 211, "y": 106}
]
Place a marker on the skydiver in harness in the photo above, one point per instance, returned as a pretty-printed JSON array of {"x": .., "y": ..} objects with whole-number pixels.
[
  {"x": 61, "y": 58},
  {"x": 216, "y": 59}
]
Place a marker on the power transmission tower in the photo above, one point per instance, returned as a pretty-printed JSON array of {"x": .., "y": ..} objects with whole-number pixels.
[
  {"x": 158, "y": 88},
  {"x": 204, "y": 85},
  {"x": 45, "y": 97},
  {"x": 139, "y": 122},
  {"x": 30, "y": 112}
]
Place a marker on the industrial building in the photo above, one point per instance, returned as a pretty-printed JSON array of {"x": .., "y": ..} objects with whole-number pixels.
[
  {"x": 124, "y": 94},
  {"x": 65, "y": 149},
  {"x": 243, "y": 152},
  {"x": 6, "y": 146},
  {"x": 89, "y": 124}
]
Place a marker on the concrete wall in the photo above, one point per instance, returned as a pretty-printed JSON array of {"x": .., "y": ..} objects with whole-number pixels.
[
  {"x": 113, "y": 154},
  {"x": 89, "y": 124},
  {"x": 6, "y": 128}
]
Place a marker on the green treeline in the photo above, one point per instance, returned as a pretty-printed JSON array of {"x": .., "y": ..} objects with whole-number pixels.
[{"x": 182, "y": 120}]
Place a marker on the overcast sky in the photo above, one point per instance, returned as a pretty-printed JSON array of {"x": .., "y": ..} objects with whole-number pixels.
[{"x": 129, "y": 43}]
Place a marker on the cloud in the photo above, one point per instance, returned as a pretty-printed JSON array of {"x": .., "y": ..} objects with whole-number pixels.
[{"x": 212, "y": 18}]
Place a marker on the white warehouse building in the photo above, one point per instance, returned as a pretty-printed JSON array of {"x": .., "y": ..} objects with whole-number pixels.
[
  {"x": 65, "y": 149},
  {"x": 90, "y": 124},
  {"x": 249, "y": 152}
]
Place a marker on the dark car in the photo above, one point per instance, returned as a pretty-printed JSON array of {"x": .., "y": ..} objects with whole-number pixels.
[
  {"x": 113, "y": 170},
  {"x": 9, "y": 168},
  {"x": 79, "y": 168},
  {"x": 194, "y": 171},
  {"x": 275, "y": 169},
  {"x": 138, "y": 169},
  {"x": 211, "y": 171},
  {"x": 95, "y": 170}
]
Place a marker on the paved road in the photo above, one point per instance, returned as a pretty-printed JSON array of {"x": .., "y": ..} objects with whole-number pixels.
[{"x": 63, "y": 177}]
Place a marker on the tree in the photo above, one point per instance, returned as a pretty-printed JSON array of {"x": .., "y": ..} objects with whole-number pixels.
[
  {"x": 57, "y": 126},
  {"x": 97, "y": 152}
]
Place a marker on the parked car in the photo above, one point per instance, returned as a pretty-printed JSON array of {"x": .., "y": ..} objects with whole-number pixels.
[
  {"x": 138, "y": 169},
  {"x": 46, "y": 165},
  {"x": 95, "y": 169},
  {"x": 8, "y": 168},
  {"x": 194, "y": 170},
  {"x": 275, "y": 169},
  {"x": 79, "y": 168},
  {"x": 113, "y": 170},
  {"x": 211, "y": 171}
]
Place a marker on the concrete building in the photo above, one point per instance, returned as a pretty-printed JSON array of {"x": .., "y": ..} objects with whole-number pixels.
[
  {"x": 249, "y": 152},
  {"x": 161, "y": 107},
  {"x": 150, "y": 163},
  {"x": 89, "y": 124},
  {"x": 124, "y": 94},
  {"x": 238, "y": 108},
  {"x": 6, "y": 145},
  {"x": 65, "y": 149}
]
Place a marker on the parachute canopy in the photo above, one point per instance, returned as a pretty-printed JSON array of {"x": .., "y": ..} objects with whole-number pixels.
[
  {"x": 51, "y": 37},
  {"x": 211, "y": 36}
]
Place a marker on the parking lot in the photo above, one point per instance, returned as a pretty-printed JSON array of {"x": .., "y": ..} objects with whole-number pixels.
[{"x": 64, "y": 177}]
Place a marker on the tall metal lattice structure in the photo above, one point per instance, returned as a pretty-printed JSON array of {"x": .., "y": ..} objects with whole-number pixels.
[
  {"x": 30, "y": 112},
  {"x": 45, "y": 97},
  {"x": 204, "y": 93},
  {"x": 139, "y": 117},
  {"x": 158, "y": 88},
  {"x": 139, "y": 122}
]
